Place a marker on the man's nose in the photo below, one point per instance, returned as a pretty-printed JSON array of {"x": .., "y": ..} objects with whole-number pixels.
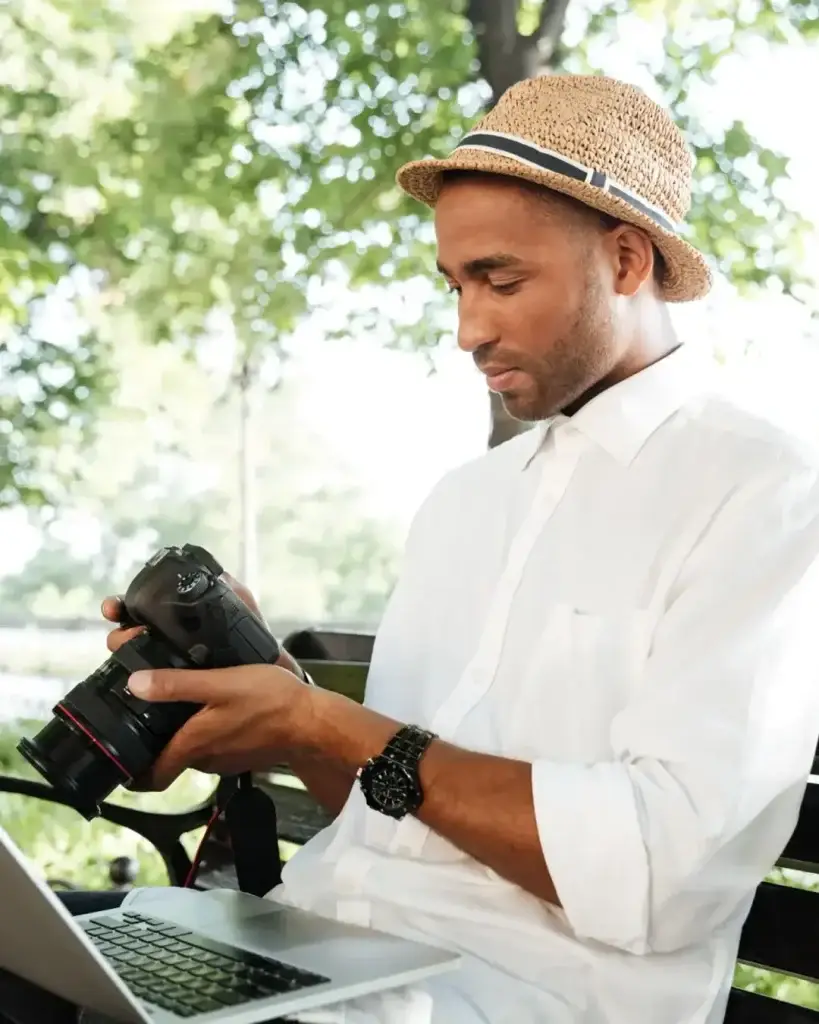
[{"x": 475, "y": 327}]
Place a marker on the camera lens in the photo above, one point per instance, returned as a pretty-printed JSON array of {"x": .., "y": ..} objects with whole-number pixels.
[
  {"x": 76, "y": 765},
  {"x": 101, "y": 736}
]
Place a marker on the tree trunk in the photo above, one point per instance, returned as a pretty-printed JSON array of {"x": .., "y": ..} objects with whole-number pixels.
[
  {"x": 249, "y": 527},
  {"x": 506, "y": 57},
  {"x": 501, "y": 425}
]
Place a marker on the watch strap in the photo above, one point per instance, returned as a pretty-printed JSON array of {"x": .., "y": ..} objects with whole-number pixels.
[{"x": 408, "y": 746}]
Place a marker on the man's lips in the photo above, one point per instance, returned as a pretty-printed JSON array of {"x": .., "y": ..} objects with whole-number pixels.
[{"x": 500, "y": 379}]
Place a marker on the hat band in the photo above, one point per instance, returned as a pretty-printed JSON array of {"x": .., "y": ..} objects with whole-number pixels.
[{"x": 547, "y": 160}]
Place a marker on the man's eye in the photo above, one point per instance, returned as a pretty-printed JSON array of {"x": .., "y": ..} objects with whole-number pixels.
[
  {"x": 505, "y": 287},
  {"x": 453, "y": 289}
]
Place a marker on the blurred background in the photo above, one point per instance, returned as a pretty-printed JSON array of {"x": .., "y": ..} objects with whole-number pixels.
[{"x": 219, "y": 318}]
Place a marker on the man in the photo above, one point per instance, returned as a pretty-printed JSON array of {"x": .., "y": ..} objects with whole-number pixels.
[{"x": 603, "y": 630}]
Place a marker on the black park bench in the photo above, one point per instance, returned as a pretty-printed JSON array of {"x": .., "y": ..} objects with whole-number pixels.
[{"x": 781, "y": 933}]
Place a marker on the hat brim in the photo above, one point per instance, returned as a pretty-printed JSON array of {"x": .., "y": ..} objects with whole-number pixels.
[{"x": 687, "y": 274}]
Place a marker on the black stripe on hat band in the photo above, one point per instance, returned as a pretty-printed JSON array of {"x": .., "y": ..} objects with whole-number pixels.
[{"x": 521, "y": 150}]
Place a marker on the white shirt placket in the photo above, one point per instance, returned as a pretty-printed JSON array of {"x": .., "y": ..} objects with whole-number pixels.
[{"x": 562, "y": 451}]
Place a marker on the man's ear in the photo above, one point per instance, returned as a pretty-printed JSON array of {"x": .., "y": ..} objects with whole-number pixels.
[{"x": 631, "y": 254}]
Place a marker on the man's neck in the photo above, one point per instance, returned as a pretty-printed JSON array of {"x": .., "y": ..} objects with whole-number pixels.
[{"x": 638, "y": 359}]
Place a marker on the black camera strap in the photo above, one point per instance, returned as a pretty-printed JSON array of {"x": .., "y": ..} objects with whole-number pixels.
[
  {"x": 251, "y": 822},
  {"x": 250, "y": 831}
]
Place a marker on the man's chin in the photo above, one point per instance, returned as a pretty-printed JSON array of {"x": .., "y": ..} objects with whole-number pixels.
[{"x": 523, "y": 408}]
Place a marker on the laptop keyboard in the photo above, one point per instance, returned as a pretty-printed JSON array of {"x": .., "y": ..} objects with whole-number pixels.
[{"x": 186, "y": 973}]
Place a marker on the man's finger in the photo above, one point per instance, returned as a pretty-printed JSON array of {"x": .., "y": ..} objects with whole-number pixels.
[
  {"x": 163, "y": 774},
  {"x": 144, "y": 784},
  {"x": 209, "y": 686},
  {"x": 179, "y": 754},
  {"x": 174, "y": 759},
  {"x": 117, "y": 637},
  {"x": 112, "y": 608},
  {"x": 167, "y": 769}
]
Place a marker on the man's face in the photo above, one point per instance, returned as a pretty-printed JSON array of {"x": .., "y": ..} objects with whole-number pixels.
[{"x": 534, "y": 292}]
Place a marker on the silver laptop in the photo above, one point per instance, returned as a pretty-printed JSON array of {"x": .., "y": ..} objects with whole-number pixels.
[{"x": 180, "y": 954}]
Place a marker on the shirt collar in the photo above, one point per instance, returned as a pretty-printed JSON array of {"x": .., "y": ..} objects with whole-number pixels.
[{"x": 623, "y": 417}]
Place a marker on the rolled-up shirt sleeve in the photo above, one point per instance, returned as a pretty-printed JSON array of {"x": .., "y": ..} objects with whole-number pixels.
[{"x": 654, "y": 848}]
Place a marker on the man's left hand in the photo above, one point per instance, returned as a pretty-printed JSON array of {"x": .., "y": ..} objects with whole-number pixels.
[{"x": 253, "y": 717}]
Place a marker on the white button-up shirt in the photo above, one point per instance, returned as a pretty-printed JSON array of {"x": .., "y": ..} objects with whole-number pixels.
[{"x": 628, "y": 599}]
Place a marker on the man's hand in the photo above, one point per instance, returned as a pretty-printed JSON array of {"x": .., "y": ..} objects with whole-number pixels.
[
  {"x": 252, "y": 718},
  {"x": 112, "y": 610},
  {"x": 195, "y": 745},
  {"x": 328, "y": 785}
]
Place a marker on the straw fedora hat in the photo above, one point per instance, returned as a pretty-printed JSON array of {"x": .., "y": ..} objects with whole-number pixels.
[{"x": 599, "y": 140}]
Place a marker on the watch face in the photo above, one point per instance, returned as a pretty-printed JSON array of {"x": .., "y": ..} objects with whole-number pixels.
[{"x": 391, "y": 787}]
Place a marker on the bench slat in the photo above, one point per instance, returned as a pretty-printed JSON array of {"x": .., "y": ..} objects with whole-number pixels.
[
  {"x": 752, "y": 1008},
  {"x": 345, "y": 646},
  {"x": 300, "y": 817},
  {"x": 782, "y": 931},
  {"x": 346, "y": 677},
  {"x": 306, "y": 644},
  {"x": 802, "y": 851}
]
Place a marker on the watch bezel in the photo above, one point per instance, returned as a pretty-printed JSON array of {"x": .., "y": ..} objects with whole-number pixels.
[{"x": 368, "y": 777}]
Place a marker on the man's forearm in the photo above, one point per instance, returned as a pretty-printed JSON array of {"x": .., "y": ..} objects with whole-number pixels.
[
  {"x": 325, "y": 782},
  {"x": 480, "y": 803}
]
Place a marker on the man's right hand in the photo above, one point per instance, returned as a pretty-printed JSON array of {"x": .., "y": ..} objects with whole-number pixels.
[{"x": 329, "y": 787}]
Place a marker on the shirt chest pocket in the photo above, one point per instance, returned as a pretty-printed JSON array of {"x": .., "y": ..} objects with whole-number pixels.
[{"x": 582, "y": 669}]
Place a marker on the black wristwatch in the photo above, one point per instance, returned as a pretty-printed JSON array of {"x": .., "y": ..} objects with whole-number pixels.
[{"x": 390, "y": 782}]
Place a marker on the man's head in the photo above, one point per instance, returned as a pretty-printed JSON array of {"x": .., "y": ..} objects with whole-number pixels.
[
  {"x": 551, "y": 294},
  {"x": 552, "y": 215}
]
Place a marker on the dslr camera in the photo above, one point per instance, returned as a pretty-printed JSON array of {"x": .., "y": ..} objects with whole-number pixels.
[{"x": 101, "y": 736}]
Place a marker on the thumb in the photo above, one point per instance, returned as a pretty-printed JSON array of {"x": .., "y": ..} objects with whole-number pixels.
[{"x": 200, "y": 686}]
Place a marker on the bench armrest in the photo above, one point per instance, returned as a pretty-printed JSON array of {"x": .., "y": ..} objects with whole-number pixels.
[{"x": 163, "y": 830}]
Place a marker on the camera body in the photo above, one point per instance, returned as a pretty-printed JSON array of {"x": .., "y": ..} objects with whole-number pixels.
[{"x": 101, "y": 736}]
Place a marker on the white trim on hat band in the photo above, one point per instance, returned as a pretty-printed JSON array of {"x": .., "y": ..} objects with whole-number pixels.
[{"x": 541, "y": 159}]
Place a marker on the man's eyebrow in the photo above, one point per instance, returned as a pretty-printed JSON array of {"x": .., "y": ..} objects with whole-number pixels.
[{"x": 483, "y": 264}]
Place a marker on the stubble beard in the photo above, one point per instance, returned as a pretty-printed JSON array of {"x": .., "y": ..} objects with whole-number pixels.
[{"x": 572, "y": 366}]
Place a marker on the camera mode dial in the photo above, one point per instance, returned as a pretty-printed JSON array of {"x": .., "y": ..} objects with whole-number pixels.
[{"x": 193, "y": 584}]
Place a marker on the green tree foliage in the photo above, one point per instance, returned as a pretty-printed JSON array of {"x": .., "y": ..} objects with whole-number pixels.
[
  {"x": 163, "y": 469},
  {"x": 64, "y": 848},
  {"x": 188, "y": 164}
]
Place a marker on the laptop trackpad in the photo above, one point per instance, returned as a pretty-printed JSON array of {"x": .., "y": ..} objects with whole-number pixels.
[
  {"x": 337, "y": 949},
  {"x": 295, "y": 930}
]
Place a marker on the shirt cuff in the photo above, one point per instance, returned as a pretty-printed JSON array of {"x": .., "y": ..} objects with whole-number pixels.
[{"x": 589, "y": 829}]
